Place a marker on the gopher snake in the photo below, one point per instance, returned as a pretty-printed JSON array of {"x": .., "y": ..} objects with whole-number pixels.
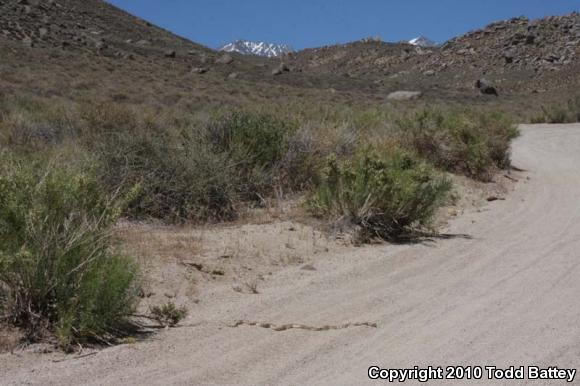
[{"x": 286, "y": 327}]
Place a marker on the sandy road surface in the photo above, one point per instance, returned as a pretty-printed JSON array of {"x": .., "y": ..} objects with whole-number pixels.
[{"x": 509, "y": 295}]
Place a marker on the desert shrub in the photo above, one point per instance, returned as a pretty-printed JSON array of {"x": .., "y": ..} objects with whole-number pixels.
[
  {"x": 258, "y": 139},
  {"x": 574, "y": 109},
  {"x": 58, "y": 271},
  {"x": 179, "y": 178},
  {"x": 168, "y": 314},
  {"x": 386, "y": 191},
  {"x": 538, "y": 118},
  {"x": 567, "y": 113},
  {"x": 310, "y": 146},
  {"x": 299, "y": 166},
  {"x": 557, "y": 114},
  {"x": 32, "y": 123},
  {"x": 468, "y": 142},
  {"x": 256, "y": 143},
  {"x": 188, "y": 170},
  {"x": 180, "y": 175}
]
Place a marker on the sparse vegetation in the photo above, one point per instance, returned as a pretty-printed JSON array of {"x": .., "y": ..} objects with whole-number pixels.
[
  {"x": 179, "y": 176},
  {"x": 567, "y": 113},
  {"x": 375, "y": 168},
  {"x": 190, "y": 170},
  {"x": 200, "y": 168},
  {"x": 386, "y": 191},
  {"x": 58, "y": 271},
  {"x": 168, "y": 314},
  {"x": 255, "y": 143},
  {"x": 467, "y": 142}
]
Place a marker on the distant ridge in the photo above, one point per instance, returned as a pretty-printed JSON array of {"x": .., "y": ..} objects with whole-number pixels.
[{"x": 246, "y": 47}]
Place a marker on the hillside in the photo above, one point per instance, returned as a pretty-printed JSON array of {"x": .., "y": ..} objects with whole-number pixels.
[
  {"x": 93, "y": 26},
  {"x": 75, "y": 49},
  {"x": 92, "y": 49}
]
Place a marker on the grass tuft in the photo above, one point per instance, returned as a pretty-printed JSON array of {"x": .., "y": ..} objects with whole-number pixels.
[{"x": 168, "y": 314}]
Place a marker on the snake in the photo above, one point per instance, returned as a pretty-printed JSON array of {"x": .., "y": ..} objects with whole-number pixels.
[{"x": 286, "y": 327}]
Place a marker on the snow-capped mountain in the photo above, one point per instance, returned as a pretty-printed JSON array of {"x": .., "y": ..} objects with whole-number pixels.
[
  {"x": 246, "y": 47},
  {"x": 422, "y": 41}
]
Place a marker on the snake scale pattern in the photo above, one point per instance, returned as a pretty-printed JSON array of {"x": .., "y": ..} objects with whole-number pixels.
[{"x": 286, "y": 327}]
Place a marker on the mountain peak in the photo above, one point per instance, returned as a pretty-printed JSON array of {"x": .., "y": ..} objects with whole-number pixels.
[
  {"x": 246, "y": 47},
  {"x": 423, "y": 41}
]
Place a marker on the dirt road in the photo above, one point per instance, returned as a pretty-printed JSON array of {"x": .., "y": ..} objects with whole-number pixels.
[{"x": 506, "y": 295}]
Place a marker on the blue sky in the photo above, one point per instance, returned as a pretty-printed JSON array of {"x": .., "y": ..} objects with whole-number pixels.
[{"x": 314, "y": 23}]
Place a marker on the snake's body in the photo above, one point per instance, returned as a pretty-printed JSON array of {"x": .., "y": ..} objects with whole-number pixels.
[{"x": 286, "y": 327}]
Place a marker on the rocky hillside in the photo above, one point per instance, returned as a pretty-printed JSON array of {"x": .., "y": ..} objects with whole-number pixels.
[
  {"x": 89, "y": 25},
  {"x": 525, "y": 55},
  {"x": 541, "y": 45},
  {"x": 89, "y": 48},
  {"x": 518, "y": 55}
]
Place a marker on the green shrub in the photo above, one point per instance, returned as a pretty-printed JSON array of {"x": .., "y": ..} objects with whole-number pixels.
[
  {"x": 468, "y": 142},
  {"x": 256, "y": 143},
  {"x": 387, "y": 192},
  {"x": 58, "y": 272},
  {"x": 258, "y": 139}
]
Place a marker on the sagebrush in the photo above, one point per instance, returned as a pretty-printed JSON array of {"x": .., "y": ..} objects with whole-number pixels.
[
  {"x": 386, "y": 191},
  {"x": 58, "y": 271},
  {"x": 564, "y": 113},
  {"x": 207, "y": 167},
  {"x": 464, "y": 141}
]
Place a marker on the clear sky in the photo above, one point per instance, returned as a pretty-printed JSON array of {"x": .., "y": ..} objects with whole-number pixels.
[{"x": 314, "y": 23}]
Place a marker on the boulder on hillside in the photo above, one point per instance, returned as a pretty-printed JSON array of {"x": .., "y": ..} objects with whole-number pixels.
[
  {"x": 170, "y": 54},
  {"x": 404, "y": 95},
  {"x": 509, "y": 56},
  {"x": 282, "y": 68},
  {"x": 531, "y": 38},
  {"x": 27, "y": 41},
  {"x": 199, "y": 70},
  {"x": 486, "y": 87}
]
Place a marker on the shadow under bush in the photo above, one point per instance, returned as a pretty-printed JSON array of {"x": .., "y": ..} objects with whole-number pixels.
[
  {"x": 58, "y": 271},
  {"x": 386, "y": 191}
]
